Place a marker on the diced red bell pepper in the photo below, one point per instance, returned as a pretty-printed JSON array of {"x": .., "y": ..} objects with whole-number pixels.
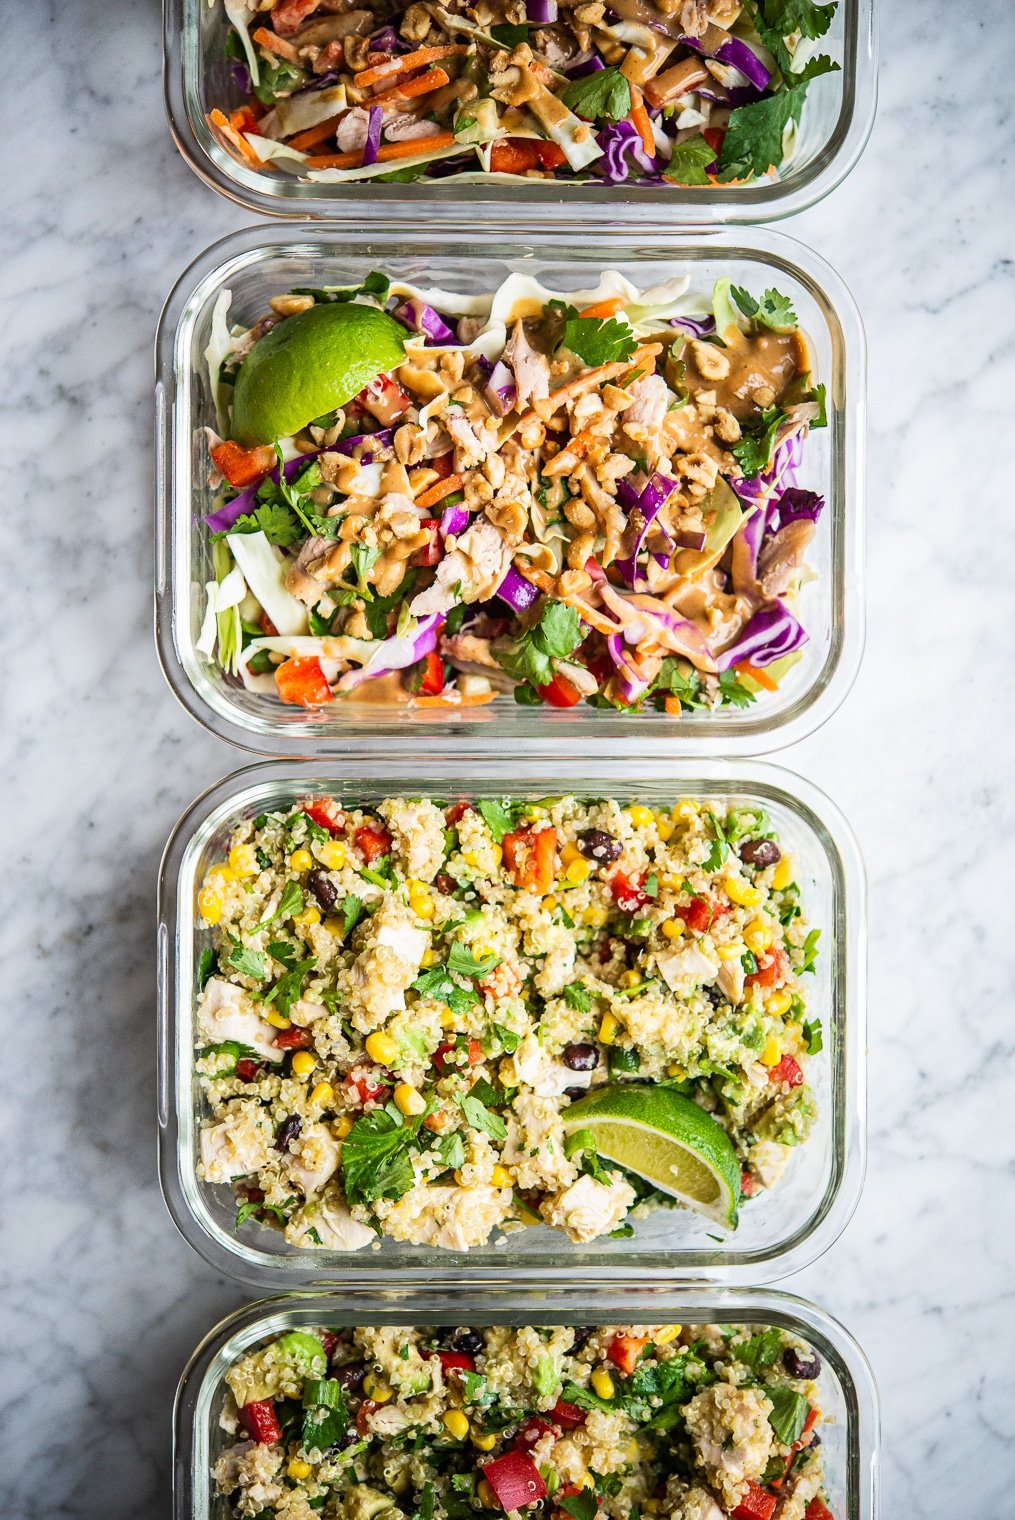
[
  {"x": 714, "y": 136},
  {"x": 456, "y": 1361},
  {"x": 432, "y": 677},
  {"x": 701, "y": 914},
  {"x": 267, "y": 627},
  {"x": 367, "y": 1090},
  {"x": 515, "y": 1480},
  {"x": 289, "y": 15},
  {"x": 456, "y": 812},
  {"x": 301, "y": 683},
  {"x": 624, "y": 1351},
  {"x": 246, "y": 1069},
  {"x": 384, "y": 399},
  {"x": 242, "y": 467},
  {"x": 769, "y": 971},
  {"x": 432, "y": 551},
  {"x": 570, "y": 1416},
  {"x": 627, "y": 891},
  {"x": 818, "y": 1510},
  {"x": 560, "y": 692},
  {"x": 260, "y": 1422},
  {"x": 473, "y": 1051},
  {"x": 373, "y": 842},
  {"x": 518, "y": 155},
  {"x": 747, "y": 1185},
  {"x": 293, "y": 1038},
  {"x": 787, "y": 1070},
  {"x": 808, "y": 1426},
  {"x": 444, "y": 883},
  {"x": 531, "y": 858},
  {"x": 755, "y": 1505},
  {"x": 533, "y": 1431},
  {"x": 326, "y": 813}
]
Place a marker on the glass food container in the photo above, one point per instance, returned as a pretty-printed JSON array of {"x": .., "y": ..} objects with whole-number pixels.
[
  {"x": 837, "y": 119},
  {"x": 258, "y": 263},
  {"x": 780, "y": 1231},
  {"x": 849, "y": 1435}
]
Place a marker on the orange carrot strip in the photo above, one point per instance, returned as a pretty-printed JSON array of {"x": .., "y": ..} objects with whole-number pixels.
[
  {"x": 639, "y": 119},
  {"x": 273, "y": 44},
  {"x": 405, "y": 65},
  {"x": 314, "y": 135},
  {"x": 461, "y": 699},
  {"x": 389, "y": 151},
  {"x": 430, "y": 79},
  {"x": 603, "y": 309},
  {"x": 436, "y": 493},
  {"x": 761, "y": 676},
  {"x": 673, "y": 707},
  {"x": 243, "y": 149}
]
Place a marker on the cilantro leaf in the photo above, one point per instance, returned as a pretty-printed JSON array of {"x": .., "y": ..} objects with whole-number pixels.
[
  {"x": 234, "y": 1048},
  {"x": 809, "y": 17},
  {"x": 761, "y": 1350},
  {"x": 249, "y": 962},
  {"x": 437, "y": 983},
  {"x": 510, "y": 1039},
  {"x": 451, "y": 1150},
  {"x": 554, "y": 637},
  {"x": 375, "y": 1157},
  {"x": 598, "y": 340},
  {"x": 582, "y": 1506},
  {"x": 774, "y": 311},
  {"x": 571, "y": 1393},
  {"x": 811, "y": 950},
  {"x": 602, "y": 96},
  {"x": 462, "y": 961},
  {"x": 325, "y": 1417},
  {"x": 498, "y": 814},
  {"x": 753, "y": 453},
  {"x": 753, "y": 142},
  {"x": 559, "y": 630},
  {"x": 364, "y": 557},
  {"x": 290, "y": 902},
  {"x": 352, "y": 912},
  {"x": 731, "y": 690},
  {"x": 719, "y": 850},
  {"x": 813, "y": 1035},
  {"x": 578, "y": 997},
  {"x": 788, "y": 1414},
  {"x": 673, "y": 680},
  {"x": 289, "y": 987},
  {"x": 377, "y": 609},
  {"x": 689, "y": 162},
  {"x": 478, "y": 1116},
  {"x": 206, "y": 967}
]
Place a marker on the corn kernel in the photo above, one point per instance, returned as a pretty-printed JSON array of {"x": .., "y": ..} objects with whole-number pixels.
[
  {"x": 664, "y": 827},
  {"x": 741, "y": 892},
  {"x": 375, "y": 1388},
  {"x": 603, "y": 1384},
  {"x": 486, "y": 1495},
  {"x": 297, "y": 1468},
  {"x": 408, "y": 1100},
  {"x": 243, "y": 860},
  {"x": 630, "y": 979},
  {"x": 783, "y": 874},
  {"x": 676, "y": 1070},
  {"x": 483, "y": 1440},
  {"x": 310, "y": 915},
  {"x": 331, "y": 854},
  {"x": 667, "y": 1334},
  {"x": 341, "y": 1127},
  {"x": 277, "y": 1020},
  {"x": 639, "y": 814},
  {"x": 456, "y": 1424},
  {"x": 209, "y": 902},
  {"x": 498, "y": 853},
  {"x": 780, "y": 1002},
  {"x": 428, "y": 958},
  {"x": 448, "y": 1019},
  {"x": 549, "y": 903},
  {"x": 300, "y": 861},
  {"x": 577, "y": 872},
  {"x": 322, "y": 1095},
  {"x": 471, "y": 858},
  {"x": 482, "y": 951},
  {"x": 596, "y": 916},
  {"x": 223, "y": 871},
  {"x": 757, "y": 936},
  {"x": 422, "y": 904},
  {"x": 608, "y": 1027},
  {"x": 587, "y": 1480},
  {"x": 568, "y": 853},
  {"x": 335, "y": 926},
  {"x": 380, "y": 1047},
  {"x": 728, "y": 952},
  {"x": 673, "y": 928},
  {"x": 303, "y": 1063},
  {"x": 686, "y": 808},
  {"x": 651, "y": 1506},
  {"x": 500, "y": 1177},
  {"x": 772, "y": 1053}
]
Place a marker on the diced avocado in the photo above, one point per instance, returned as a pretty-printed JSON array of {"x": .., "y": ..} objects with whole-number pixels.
[{"x": 303, "y": 1352}]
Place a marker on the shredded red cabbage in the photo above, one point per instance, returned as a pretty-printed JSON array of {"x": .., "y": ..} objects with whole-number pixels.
[
  {"x": 738, "y": 55},
  {"x": 694, "y": 327},
  {"x": 770, "y": 634},
  {"x": 396, "y": 653},
  {"x": 654, "y": 496},
  {"x": 541, "y": 12},
  {"x": 421, "y": 318},
  {"x": 225, "y": 517},
  {"x": 454, "y": 520},
  {"x": 793, "y": 504},
  {"x": 372, "y": 146},
  {"x": 501, "y": 390},
  {"x": 516, "y": 591},
  {"x": 623, "y": 150}
]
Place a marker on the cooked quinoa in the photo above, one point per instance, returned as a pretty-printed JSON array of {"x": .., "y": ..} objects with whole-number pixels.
[
  {"x": 686, "y": 1423},
  {"x": 400, "y": 1002}
]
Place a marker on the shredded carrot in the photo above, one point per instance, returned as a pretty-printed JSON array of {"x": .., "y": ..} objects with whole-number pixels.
[
  {"x": 673, "y": 707},
  {"x": 389, "y": 151},
  {"x": 460, "y": 699},
  {"x": 227, "y": 131},
  {"x": 430, "y": 79},
  {"x": 540, "y": 579},
  {"x": 273, "y": 44},
  {"x": 761, "y": 676},
  {"x": 643, "y": 360},
  {"x": 314, "y": 135},
  {"x": 405, "y": 65},
  {"x": 603, "y": 309},
  {"x": 446, "y": 487},
  {"x": 639, "y": 119}
]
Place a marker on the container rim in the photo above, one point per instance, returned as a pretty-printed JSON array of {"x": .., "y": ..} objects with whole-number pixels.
[
  {"x": 655, "y": 209},
  {"x": 224, "y": 1251},
  {"x": 738, "y": 734},
  {"x": 452, "y": 1302}
]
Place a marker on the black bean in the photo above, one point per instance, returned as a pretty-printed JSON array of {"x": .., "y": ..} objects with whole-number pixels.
[
  {"x": 582, "y": 1336},
  {"x": 760, "y": 852},
  {"x": 576, "y": 1092},
  {"x": 581, "y": 1057},
  {"x": 714, "y": 996},
  {"x": 350, "y": 1376},
  {"x": 597, "y": 845},
  {"x": 468, "y": 1342},
  {"x": 287, "y": 1132},
  {"x": 799, "y": 1366},
  {"x": 323, "y": 888}
]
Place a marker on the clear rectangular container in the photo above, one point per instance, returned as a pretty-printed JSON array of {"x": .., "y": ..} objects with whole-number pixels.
[
  {"x": 837, "y": 119},
  {"x": 781, "y": 1231},
  {"x": 850, "y": 1436},
  {"x": 259, "y": 263}
]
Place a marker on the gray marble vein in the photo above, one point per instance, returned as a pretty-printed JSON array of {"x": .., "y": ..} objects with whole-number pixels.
[{"x": 103, "y": 1301}]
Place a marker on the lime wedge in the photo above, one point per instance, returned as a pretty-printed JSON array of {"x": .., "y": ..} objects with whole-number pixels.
[
  {"x": 662, "y": 1136},
  {"x": 308, "y": 365}
]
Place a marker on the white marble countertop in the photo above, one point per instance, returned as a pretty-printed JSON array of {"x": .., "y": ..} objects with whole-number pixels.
[{"x": 103, "y": 1300}]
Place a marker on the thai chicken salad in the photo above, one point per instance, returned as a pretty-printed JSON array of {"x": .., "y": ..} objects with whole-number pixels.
[
  {"x": 432, "y": 497},
  {"x": 678, "y": 92}
]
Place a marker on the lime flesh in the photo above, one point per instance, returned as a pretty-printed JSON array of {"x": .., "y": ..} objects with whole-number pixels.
[
  {"x": 308, "y": 365},
  {"x": 668, "y": 1140}
]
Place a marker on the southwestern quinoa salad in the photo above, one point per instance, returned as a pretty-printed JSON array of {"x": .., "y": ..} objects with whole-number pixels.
[
  {"x": 694, "y": 1422},
  {"x": 433, "y": 1023},
  {"x": 434, "y": 498},
  {"x": 679, "y": 92}
]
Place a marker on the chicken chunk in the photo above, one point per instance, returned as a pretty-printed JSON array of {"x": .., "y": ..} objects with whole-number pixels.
[
  {"x": 589, "y": 1208},
  {"x": 731, "y": 1434},
  {"x": 237, "y": 1146},
  {"x": 227, "y": 1012}
]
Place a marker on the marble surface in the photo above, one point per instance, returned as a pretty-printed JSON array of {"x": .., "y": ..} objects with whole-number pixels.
[{"x": 103, "y": 1301}]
